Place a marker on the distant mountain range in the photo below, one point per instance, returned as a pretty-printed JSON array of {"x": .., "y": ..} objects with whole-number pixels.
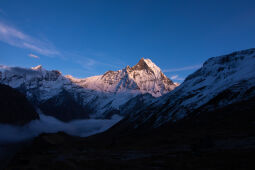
[
  {"x": 68, "y": 98},
  {"x": 141, "y": 93}
]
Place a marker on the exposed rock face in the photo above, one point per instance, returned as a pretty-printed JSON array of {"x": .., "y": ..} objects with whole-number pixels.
[
  {"x": 62, "y": 105},
  {"x": 15, "y": 108}
]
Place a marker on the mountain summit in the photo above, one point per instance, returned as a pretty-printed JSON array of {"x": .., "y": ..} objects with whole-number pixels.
[
  {"x": 39, "y": 67},
  {"x": 144, "y": 77}
]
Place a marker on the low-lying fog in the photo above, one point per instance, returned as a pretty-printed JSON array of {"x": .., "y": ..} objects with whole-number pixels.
[{"x": 49, "y": 124}]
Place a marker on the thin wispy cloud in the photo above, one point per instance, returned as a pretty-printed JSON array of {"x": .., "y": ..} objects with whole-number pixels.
[
  {"x": 182, "y": 68},
  {"x": 33, "y": 56},
  {"x": 176, "y": 77},
  {"x": 17, "y": 38}
]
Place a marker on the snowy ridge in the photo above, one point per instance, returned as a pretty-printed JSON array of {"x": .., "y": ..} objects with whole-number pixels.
[
  {"x": 39, "y": 67},
  {"x": 221, "y": 81},
  {"x": 144, "y": 77},
  {"x": 47, "y": 82}
]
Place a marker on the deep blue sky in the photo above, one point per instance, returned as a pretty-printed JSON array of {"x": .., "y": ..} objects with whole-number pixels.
[{"x": 85, "y": 38}]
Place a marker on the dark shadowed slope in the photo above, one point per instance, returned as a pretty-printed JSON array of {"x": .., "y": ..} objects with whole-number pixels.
[{"x": 14, "y": 107}]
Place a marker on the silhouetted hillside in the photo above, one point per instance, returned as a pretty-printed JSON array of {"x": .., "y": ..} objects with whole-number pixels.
[{"x": 14, "y": 107}]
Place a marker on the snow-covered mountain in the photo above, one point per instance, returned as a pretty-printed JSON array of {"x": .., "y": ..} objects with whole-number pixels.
[
  {"x": 221, "y": 81},
  {"x": 144, "y": 77},
  {"x": 98, "y": 96}
]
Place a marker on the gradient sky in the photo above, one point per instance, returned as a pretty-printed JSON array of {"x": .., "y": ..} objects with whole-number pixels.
[{"x": 86, "y": 38}]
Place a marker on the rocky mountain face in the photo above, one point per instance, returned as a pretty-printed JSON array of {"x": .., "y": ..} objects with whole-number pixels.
[
  {"x": 220, "y": 82},
  {"x": 15, "y": 108},
  {"x": 144, "y": 77},
  {"x": 97, "y": 97}
]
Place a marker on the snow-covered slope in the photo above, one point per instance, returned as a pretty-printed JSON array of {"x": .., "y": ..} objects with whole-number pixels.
[
  {"x": 98, "y": 96},
  {"x": 36, "y": 82},
  {"x": 144, "y": 77},
  {"x": 221, "y": 81}
]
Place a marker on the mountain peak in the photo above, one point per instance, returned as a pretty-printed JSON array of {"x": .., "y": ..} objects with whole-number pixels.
[
  {"x": 141, "y": 65},
  {"x": 142, "y": 59},
  {"x": 144, "y": 77},
  {"x": 39, "y": 67},
  {"x": 128, "y": 67},
  {"x": 146, "y": 64}
]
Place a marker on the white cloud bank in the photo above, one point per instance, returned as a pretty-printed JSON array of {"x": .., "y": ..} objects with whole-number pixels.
[{"x": 48, "y": 124}]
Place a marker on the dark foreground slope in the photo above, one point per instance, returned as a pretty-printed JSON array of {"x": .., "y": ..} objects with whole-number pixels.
[
  {"x": 14, "y": 107},
  {"x": 221, "y": 139}
]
